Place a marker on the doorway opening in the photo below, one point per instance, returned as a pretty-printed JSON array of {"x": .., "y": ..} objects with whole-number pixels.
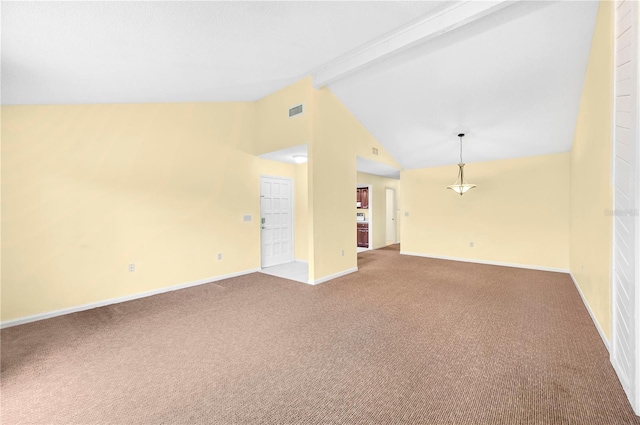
[
  {"x": 364, "y": 217},
  {"x": 391, "y": 235}
]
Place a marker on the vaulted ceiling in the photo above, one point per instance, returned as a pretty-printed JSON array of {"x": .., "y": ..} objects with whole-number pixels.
[
  {"x": 511, "y": 77},
  {"x": 179, "y": 51},
  {"x": 511, "y": 81}
]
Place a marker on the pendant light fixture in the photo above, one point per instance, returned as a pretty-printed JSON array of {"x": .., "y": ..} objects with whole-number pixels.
[{"x": 461, "y": 186}]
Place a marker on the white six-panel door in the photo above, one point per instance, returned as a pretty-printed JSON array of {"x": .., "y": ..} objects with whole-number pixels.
[{"x": 276, "y": 220}]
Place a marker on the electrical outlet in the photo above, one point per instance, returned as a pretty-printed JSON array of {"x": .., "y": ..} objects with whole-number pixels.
[
  {"x": 247, "y": 217},
  {"x": 406, "y": 213},
  {"x": 132, "y": 267},
  {"x": 471, "y": 244},
  {"x": 219, "y": 256}
]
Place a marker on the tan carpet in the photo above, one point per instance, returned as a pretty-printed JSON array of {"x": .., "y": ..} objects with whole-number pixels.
[{"x": 404, "y": 340}]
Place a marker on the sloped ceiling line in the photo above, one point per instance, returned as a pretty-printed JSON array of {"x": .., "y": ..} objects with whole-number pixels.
[{"x": 427, "y": 27}]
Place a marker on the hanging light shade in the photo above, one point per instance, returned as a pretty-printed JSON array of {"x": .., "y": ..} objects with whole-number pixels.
[{"x": 461, "y": 186}]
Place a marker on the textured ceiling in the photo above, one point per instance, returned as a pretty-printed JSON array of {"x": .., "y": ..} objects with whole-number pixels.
[
  {"x": 511, "y": 81},
  {"x": 130, "y": 52}
]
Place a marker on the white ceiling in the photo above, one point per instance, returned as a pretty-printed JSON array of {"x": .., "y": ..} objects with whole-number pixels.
[
  {"x": 369, "y": 166},
  {"x": 511, "y": 81},
  {"x": 286, "y": 155},
  {"x": 130, "y": 52}
]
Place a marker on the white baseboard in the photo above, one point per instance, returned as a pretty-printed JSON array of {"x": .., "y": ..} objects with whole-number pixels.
[
  {"x": 492, "y": 263},
  {"x": 299, "y": 260},
  {"x": 333, "y": 276},
  {"x": 48, "y": 315},
  {"x": 593, "y": 317}
]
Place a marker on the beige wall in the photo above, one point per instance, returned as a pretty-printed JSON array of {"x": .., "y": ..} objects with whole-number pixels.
[
  {"x": 338, "y": 137},
  {"x": 88, "y": 189},
  {"x": 519, "y": 212},
  {"x": 591, "y": 193},
  {"x": 301, "y": 212},
  {"x": 378, "y": 206},
  {"x": 273, "y": 128}
]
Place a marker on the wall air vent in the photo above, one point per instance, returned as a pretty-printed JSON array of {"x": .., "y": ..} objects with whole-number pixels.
[
  {"x": 295, "y": 110},
  {"x": 375, "y": 151}
]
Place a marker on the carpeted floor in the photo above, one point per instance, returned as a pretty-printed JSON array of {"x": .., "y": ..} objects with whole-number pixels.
[{"x": 404, "y": 340}]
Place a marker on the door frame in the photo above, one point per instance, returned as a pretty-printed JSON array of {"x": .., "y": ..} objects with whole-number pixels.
[
  {"x": 395, "y": 211},
  {"x": 370, "y": 212},
  {"x": 293, "y": 219}
]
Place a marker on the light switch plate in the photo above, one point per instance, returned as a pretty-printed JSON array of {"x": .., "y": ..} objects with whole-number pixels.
[{"x": 247, "y": 217}]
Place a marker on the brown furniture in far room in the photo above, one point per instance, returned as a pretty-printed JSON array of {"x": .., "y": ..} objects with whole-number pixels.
[
  {"x": 363, "y": 235},
  {"x": 362, "y": 197}
]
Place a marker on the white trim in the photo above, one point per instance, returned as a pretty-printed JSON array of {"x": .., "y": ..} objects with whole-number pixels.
[
  {"x": 612, "y": 181},
  {"x": 299, "y": 260},
  {"x": 493, "y": 263},
  {"x": 629, "y": 377},
  {"x": 612, "y": 270},
  {"x": 423, "y": 29},
  {"x": 48, "y": 315},
  {"x": 636, "y": 402},
  {"x": 593, "y": 317},
  {"x": 370, "y": 218},
  {"x": 333, "y": 276}
]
